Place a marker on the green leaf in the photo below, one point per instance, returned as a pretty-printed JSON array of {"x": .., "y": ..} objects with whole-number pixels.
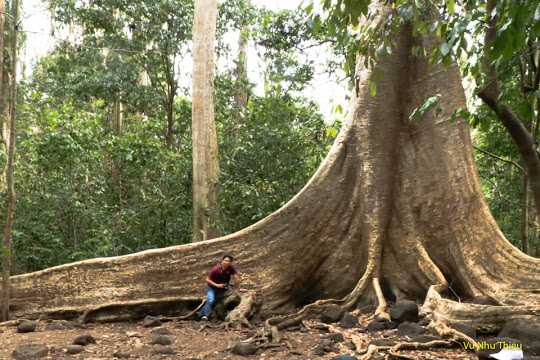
[
  {"x": 7, "y": 253},
  {"x": 373, "y": 88},
  {"x": 537, "y": 13},
  {"x": 309, "y": 8},
  {"x": 428, "y": 103},
  {"x": 450, "y": 5},
  {"x": 310, "y": 23},
  {"x": 445, "y": 49}
]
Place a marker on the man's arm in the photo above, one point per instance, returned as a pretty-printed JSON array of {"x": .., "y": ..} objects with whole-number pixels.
[
  {"x": 211, "y": 283},
  {"x": 237, "y": 282}
]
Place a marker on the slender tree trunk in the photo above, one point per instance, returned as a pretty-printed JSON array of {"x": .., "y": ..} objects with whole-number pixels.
[
  {"x": 3, "y": 101},
  {"x": 205, "y": 149},
  {"x": 170, "y": 115},
  {"x": 240, "y": 72},
  {"x": 117, "y": 117},
  {"x": 525, "y": 216},
  {"x": 6, "y": 266}
]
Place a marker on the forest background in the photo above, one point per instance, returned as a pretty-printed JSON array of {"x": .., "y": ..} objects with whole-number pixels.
[{"x": 103, "y": 161}]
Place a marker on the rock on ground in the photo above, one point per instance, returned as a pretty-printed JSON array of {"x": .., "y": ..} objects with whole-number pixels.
[
  {"x": 404, "y": 311},
  {"x": 26, "y": 327},
  {"x": 332, "y": 314},
  {"x": 75, "y": 349},
  {"x": 525, "y": 331},
  {"x": 244, "y": 349},
  {"x": 30, "y": 351},
  {"x": 151, "y": 321},
  {"x": 84, "y": 340}
]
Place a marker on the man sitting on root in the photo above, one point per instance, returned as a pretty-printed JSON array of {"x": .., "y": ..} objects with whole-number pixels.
[{"x": 217, "y": 283}]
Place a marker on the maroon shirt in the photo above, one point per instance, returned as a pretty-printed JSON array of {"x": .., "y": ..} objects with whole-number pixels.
[{"x": 220, "y": 276}]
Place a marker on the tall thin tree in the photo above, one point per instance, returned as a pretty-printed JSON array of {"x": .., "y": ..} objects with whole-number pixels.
[
  {"x": 205, "y": 149},
  {"x": 6, "y": 266}
]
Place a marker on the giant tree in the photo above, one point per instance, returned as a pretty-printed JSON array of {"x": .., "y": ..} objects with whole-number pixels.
[{"x": 394, "y": 212}]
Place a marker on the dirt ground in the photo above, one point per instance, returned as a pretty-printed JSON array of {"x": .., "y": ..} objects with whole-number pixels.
[{"x": 191, "y": 340}]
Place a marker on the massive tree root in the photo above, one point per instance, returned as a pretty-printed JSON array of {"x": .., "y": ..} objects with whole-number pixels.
[{"x": 395, "y": 211}]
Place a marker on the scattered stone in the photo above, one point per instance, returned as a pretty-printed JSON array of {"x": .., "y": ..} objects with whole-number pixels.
[
  {"x": 525, "y": 331},
  {"x": 244, "y": 349},
  {"x": 120, "y": 355},
  {"x": 27, "y": 326},
  {"x": 484, "y": 300},
  {"x": 151, "y": 321},
  {"x": 160, "y": 331},
  {"x": 368, "y": 309},
  {"x": 381, "y": 319},
  {"x": 375, "y": 326},
  {"x": 348, "y": 321},
  {"x": 344, "y": 357},
  {"x": 326, "y": 342},
  {"x": 319, "y": 350},
  {"x": 410, "y": 329},
  {"x": 492, "y": 346},
  {"x": 350, "y": 345},
  {"x": 164, "y": 351},
  {"x": 74, "y": 325},
  {"x": 304, "y": 329},
  {"x": 390, "y": 325},
  {"x": 30, "y": 351},
  {"x": 75, "y": 349},
  {"x": 425, "y": 338},
  {"x": 466, "y": 329},
  {"x": 382, "y": 342},
  {"x": 161, "y": 340},
  {"x": 336, "y": 337},
  {"x": 424, "y": 322},
  {"x": 131, "y": 334},
  {"x": 332, "y": 314},
  {"x": 54, "y": 327},
  {"x": 84, "y": 340},
  {"x": 404, "y": 311}
]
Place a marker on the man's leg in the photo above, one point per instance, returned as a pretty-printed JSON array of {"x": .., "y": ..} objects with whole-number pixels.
[{"x": 210, "y": 298}]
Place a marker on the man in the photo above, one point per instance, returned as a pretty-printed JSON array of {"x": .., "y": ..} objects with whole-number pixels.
[{"x": 217, "y": 283}]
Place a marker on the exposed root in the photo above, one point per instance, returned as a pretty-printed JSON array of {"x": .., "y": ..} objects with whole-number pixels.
[
  {"x": 381, "y": 308},
  {"x": 184, "y": 317},
  {"x": 443, "y": 312},
  {"x": 373, "y": 349},
  {"x": 249, "y": 303}
]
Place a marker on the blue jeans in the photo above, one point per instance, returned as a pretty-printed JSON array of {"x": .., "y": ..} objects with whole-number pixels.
[{"x": 212, "y": 295}]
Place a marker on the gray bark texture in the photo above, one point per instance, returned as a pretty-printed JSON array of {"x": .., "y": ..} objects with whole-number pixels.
[{"x": 395, "y": 211}]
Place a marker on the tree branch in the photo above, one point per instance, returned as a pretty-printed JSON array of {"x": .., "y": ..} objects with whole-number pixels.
[{"x": 501, "y": 159}]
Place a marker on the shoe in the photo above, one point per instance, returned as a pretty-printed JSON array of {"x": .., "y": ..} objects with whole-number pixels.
[{"x": 204, "y": 318}]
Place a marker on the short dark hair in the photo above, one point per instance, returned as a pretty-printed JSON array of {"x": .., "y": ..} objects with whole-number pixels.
[{"x": 227, "y": 256}]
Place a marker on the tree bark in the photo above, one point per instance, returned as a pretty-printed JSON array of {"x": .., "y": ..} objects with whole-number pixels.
[
  {"x": 205, "y": 148},
  {"x": 395, "y": 211},
  {"x": 6, "y": 265},
  {"x": 117, "y": 117}
]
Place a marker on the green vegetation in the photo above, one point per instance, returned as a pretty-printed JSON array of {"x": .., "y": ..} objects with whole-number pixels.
[{"x": 85, "y": 189}]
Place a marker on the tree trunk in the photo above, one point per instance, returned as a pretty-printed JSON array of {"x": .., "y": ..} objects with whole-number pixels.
[
  {"x": 117, "y": 117},
  {"x": 395, "y": 211},
  {"x": 205, "y": 148},
  {"x": 6, "y": 265},
  {"x": 240, "y": 72}
]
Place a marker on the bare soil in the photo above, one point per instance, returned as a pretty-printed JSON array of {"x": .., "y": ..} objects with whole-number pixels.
[{"x": 193, "y": 340}]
